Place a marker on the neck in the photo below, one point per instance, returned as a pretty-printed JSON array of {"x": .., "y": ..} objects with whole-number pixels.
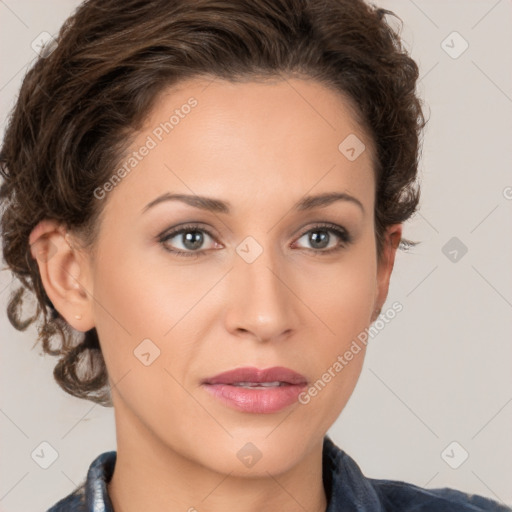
[{"x": 153, "y": 477}]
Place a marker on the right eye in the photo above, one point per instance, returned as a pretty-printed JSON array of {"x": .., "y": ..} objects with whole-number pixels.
[{"x": 191, "y": 237}]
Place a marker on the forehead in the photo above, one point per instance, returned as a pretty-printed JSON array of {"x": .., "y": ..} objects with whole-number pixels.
[
  {"x": 271, "y": 107},
  {"x": 220, "y": 138}
]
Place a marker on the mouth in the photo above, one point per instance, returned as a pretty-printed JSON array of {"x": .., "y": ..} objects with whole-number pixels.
[
  {"x": 253, "y": 390},
  {"x": 253, "y": 377},
  {"x": 251, "y": 385}
]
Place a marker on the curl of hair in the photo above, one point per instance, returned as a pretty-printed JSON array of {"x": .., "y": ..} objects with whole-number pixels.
[{"x": 80, "y": 105}]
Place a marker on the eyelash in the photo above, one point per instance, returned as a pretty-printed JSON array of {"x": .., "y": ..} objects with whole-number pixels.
[{"x": 341, "y": 233}]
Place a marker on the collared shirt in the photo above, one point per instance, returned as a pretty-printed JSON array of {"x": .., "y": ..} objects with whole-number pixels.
[{"x": 346, "y": 489}]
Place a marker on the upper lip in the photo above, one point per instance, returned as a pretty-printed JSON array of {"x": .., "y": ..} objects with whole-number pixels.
[{"x": 251, "y": 374}]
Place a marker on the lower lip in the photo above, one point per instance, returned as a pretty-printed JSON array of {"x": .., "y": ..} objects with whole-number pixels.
[{"x": 256, "y": 400}]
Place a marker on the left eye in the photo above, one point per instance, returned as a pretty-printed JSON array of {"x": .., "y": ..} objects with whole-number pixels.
[{"x": 320, "y": 237}]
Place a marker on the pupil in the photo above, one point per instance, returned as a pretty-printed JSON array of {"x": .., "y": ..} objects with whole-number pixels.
[
  {"x": 320, "y": 241},
  {"x": 193, "y": 239}
]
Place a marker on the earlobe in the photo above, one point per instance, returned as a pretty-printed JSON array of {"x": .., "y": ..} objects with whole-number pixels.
[{"x": 61, "y": 266}]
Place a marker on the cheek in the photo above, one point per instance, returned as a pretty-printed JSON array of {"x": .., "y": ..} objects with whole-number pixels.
[
  {"x": 127, "y": 308},
  {"x": 141, "y": 306},
  {"x": 345, "y": 310},
  {"x": 343, "y": 293},
  {"x": 135, "y": 315},
  {"x": 344, "y": 304}
]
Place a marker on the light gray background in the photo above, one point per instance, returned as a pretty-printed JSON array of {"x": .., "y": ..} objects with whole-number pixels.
[{"x": 439, "y": 372}]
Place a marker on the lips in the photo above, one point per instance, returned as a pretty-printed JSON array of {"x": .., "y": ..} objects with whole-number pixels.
[
  {"x": 252, "y": 377},
  {"x": 256, "y": 391}
]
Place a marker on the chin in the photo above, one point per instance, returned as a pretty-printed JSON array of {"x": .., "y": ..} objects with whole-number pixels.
[{"x": 254, "y": 453}]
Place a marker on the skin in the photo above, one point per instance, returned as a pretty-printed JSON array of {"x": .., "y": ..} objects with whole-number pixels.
[{"x": 261, "y": 146}]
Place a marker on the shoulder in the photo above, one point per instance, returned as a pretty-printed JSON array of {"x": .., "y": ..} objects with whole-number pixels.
[
  {"x": 403, "y": 496},
  {"x": 349, "y": 489},
  {"x": 92, "y": 492}
]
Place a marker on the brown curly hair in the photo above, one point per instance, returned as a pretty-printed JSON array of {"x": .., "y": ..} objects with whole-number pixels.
[{"x": 80, "y": 104}]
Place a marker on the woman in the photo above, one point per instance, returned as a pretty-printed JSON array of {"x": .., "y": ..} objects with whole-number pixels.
[{"x": 206, "y": 199}]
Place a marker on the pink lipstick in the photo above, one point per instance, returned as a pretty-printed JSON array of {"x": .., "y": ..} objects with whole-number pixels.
[{"x": 250, "y": 389}]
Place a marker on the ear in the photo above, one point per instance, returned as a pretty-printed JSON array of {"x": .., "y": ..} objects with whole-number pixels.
[
  {"x": 392, "y": 237},
  {"x": 64, "y": 273}
]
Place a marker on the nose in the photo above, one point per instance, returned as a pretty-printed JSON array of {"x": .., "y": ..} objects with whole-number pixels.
[{"x": 262, "y": 303}]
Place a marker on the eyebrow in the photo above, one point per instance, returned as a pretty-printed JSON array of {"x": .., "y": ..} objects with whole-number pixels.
[{"x": 218, "y": 206}]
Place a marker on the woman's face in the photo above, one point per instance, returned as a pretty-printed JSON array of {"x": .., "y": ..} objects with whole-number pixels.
[{"x": 263, "y": 282}]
